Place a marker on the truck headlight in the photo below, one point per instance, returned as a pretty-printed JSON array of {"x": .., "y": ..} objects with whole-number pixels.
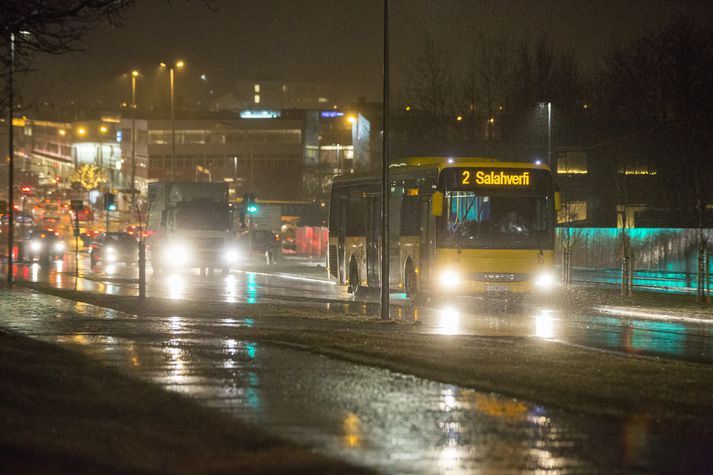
[
  {"x": 110, "y": 253},
  {"x": 35, "y": 245},
  {"x": 545, "y": 280},
  {"x": 449, "y": 279},
  {"x": 177, "y": 254},
  {"x": 231, "y": 255},
  {"x": 59, "y": 247}
]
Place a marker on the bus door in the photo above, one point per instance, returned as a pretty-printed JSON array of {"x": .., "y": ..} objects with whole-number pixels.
[
  {"x": 427, "y": 234},
  {"x": 373, "y": 241},
  {"x": 342, "y": 238}
]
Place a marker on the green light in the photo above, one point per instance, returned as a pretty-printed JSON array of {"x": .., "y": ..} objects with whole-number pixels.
[{"x": 252, "y": 209}]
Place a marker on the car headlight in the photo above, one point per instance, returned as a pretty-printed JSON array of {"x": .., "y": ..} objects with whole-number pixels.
[
  {"x": 35, "y": 245},
  {"x": 449, "y": 279},
  {"x": 545, "y": 280},
  {"x": 59, "y": 247},
  {"x": 231, "y": 255},
  {"x": 110, "y": 250}
]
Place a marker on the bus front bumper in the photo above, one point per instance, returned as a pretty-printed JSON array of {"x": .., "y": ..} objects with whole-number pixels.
[{"x": 541, "y": 283}]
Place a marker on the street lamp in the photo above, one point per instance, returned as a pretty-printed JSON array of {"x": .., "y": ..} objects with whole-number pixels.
[{"x": 177, "y": 65}]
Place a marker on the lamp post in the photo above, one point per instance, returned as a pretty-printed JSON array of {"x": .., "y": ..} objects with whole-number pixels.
[
  {"x": 385, "y": 177},
  {"x": 11, "y": 154},
  {"x": 103, "y": 129},
  {"x": 250, "y": 173},
  {"x": 549, "y": 134},
  {"x": 134, "y": 75},
  {"x": 250, "y": 144},
  {"x": 171, "y": 84}
]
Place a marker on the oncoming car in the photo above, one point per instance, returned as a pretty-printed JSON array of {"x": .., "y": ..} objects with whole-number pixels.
[
  {"x": 42, "y": 245},
  {"x": 113, "y": 248}
]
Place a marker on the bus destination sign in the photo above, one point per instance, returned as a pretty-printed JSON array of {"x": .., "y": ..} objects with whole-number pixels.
[
  {"x": 495, "y": 178},
  {"x": 470, "y": 178}
]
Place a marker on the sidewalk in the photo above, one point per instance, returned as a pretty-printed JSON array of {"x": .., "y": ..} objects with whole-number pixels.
[
  {"x": 642, "y": 304},
  {"x": 61, "y": 412}
]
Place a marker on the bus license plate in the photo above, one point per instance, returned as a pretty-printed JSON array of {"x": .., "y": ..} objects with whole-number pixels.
[{"x": 496, "y": 288}]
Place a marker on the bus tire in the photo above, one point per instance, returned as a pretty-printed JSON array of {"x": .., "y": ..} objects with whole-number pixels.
[
  {"x": 353, "y": 282},
  {"x": 410, "y": 282}
]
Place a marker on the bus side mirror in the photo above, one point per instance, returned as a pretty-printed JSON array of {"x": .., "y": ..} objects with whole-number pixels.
[
  {"x": 437, "y": 204},
  {"x": 558, "y": 201}
]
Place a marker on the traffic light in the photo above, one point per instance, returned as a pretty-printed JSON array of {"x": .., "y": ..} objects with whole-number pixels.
[
  {"x": 109, "y": 201},
  {"x": 57, "y": 179},
  {"x": 249, "y": 202},
  {"x": 26, "y": 189}
]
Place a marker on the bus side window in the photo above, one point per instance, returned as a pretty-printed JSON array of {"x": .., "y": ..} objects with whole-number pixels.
[
  {"x": 409, "y": 216},
  {"x": 356, "y": 223}
]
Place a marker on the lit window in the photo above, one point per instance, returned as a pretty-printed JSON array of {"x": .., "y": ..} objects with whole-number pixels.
[
  {"x": 257, "y": 88},
  {"x": 572, "y": 211},
  {"x": 322, "y": 99},
  {"x": 257, "y": 98},
  {"x": 572, "y": 163}
]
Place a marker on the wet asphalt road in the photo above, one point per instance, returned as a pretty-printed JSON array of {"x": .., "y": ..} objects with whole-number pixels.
[
  {"x": 393, "y": 422},
  {"x": 300, "y": 283}
]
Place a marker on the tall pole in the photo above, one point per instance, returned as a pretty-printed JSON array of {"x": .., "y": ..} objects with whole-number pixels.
[
  {"x": 385, "y": 177},
  {"x": 549, "y": 134},
  {"x": 173, "y": 128},
  {"x": 11, "y": 154},
  {"x": 133, "y": 135}
]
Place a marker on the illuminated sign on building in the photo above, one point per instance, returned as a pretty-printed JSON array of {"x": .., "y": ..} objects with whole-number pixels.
[
  {"x": 259, "y": 114},
  {"x": 330, "y": 114}
]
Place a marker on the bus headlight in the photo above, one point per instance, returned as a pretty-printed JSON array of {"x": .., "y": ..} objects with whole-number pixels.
[
  {"x": 59, "y": 247},
  {"x": 545, "y": 280},
  {"x": 449, "y": 279},
  {"x": 231, "y": 256},
  {"x": 35, "y": 245}
]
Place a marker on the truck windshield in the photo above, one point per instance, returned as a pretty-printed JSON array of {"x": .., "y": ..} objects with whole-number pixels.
[
  {"x": 492, "y": 221},
  {"x": 203, "y": 216}
]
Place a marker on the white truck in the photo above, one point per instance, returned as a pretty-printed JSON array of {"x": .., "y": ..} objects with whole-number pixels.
[{"x": 191, "y": 225}]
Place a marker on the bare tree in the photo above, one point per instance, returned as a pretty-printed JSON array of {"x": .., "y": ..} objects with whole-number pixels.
[
  {"x": 49, "y": 26},
  {"x": 432, "y": 88},
  {"x": 570, "y": 238},
  {"x": 661, "y": 83},
  {"x": 488, "y": 81}
]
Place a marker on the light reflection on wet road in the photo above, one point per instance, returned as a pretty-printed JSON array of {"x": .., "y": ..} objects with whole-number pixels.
[
  {"x": 682, "y": 340},
  {"x": 390, "y": 421}
]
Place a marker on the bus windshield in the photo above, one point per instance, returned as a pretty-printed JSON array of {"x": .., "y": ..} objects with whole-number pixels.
[{"x": 497, "y": 221}]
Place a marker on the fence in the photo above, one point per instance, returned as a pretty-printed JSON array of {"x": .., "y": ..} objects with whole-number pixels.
[{"x": 665, "y": 259}]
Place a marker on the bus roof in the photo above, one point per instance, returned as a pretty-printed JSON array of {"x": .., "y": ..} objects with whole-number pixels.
[{"x": 444, "y": 162}]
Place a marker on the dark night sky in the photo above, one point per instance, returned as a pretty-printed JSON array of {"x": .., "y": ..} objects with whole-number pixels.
[{"x": 335, "y": 41}]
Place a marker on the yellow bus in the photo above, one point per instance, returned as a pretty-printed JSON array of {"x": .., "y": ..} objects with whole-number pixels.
[{"x": 457, "y": 226}]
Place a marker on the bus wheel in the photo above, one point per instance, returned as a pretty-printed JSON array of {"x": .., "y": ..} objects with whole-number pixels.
[
  {"x": 353, "y": 277},
  {"x": 410, "y": 284}
]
